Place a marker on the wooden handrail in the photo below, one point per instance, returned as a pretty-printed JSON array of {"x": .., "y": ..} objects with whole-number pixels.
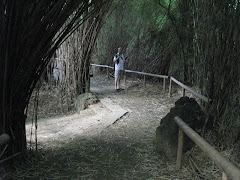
[
  {"x": 98, "y": 65},
  {"x": 4, "y": 139},
  {"x": 227, "y": 167},
  {"x": 204, "y": 98},
  {"x": 131, "y": 71},
  {"x": 148, "y": 74}
]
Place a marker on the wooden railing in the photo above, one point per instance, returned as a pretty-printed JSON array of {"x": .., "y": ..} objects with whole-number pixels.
[
  {"x": 228, "y": 169},
  {"x": 184, "y": 87},
  {"x": 164, "y": 77},
  {"x": 200, "y": 96}
]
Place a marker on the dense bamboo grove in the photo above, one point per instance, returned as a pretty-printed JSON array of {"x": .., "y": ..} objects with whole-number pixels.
[
  {"x": 196, "y": 41},
  {"x": 210, "y": 54},
  {"x": 30, "y": 33},
  {"x": 76, "y": 52}
]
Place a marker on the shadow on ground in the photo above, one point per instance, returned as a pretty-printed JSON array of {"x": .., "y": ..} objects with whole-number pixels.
[
  {"x": 123, "y": 151},
  {"x": 94, "y": 159}
]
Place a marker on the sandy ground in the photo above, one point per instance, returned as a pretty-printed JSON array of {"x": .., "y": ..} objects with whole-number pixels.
[
  {"x": 89, "y": 122},
  {"x": 124, "y": 150}
]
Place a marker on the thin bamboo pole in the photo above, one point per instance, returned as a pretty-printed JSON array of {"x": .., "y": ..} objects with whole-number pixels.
[{"x": 180, "y": 149}]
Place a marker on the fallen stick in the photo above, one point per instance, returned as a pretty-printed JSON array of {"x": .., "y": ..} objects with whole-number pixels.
[
  {"x": 3, "y": 150},
  {"x": 193, "y": 170},
  {"x": 10, "y": 157}
]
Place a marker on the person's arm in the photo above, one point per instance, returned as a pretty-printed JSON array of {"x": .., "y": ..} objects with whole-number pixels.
[{"x": 115, "y": 59}]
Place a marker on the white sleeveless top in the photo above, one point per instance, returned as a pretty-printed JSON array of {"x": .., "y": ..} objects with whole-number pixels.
[{"x": 120, "y": 65}]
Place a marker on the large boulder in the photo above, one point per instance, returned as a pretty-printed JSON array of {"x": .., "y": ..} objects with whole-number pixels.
[
  {"x": 84, "y": 100},
  {"x": 167, "y": 133}
]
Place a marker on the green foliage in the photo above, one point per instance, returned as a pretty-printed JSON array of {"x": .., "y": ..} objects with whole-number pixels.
[{"x": 138, "y": 26}]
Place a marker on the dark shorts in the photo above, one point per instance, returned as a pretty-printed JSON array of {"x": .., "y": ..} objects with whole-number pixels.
[{"x": 118, "y": 73}]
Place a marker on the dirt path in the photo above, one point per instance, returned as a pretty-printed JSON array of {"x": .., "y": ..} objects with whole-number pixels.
[
  {"x": 125, "y": 150},
  {"x": 89, "y": 122}
]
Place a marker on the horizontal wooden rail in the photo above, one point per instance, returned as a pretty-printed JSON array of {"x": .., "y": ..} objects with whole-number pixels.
[
  {"x": 148, "y": 74},
  {"x": 98, "y": 65},
  {"x": 227, "y": 167},
  {"x": 130, "y": 71},
  {"x": 204, "y": 98},
  {"x": 4, "y": 139}
]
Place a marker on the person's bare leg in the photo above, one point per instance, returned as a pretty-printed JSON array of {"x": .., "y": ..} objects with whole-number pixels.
[{"x": 116, "y": 82}]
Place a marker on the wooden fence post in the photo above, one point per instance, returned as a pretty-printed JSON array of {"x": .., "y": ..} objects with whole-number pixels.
[
  {"x": 183, "y": 92},
  {"x": 164, "y": 85},
  {"x": 170, "y": 88},
  {"x": 108, "y": 72},
  {"x": 125, "y": 78},
  {"x": 144, "y": 81},
  {"x": 180, "y": 149}
]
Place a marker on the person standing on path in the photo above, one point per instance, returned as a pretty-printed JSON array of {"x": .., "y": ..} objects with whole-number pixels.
[{"x": 119, "y": 68}]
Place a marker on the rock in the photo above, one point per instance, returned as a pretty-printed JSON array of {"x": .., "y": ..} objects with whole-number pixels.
[
  {"x": 167, "y": 133},
  {"x": 84, "y": 100}
]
